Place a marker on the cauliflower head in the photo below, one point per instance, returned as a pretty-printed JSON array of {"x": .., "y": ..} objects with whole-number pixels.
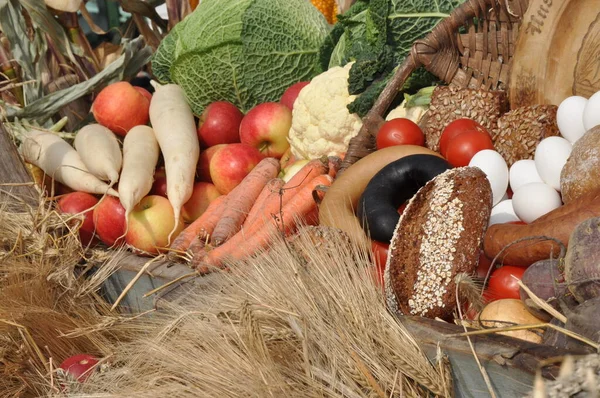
[{"x": 321, "y": 122}]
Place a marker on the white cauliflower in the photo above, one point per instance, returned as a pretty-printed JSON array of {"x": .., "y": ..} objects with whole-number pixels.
[
  {"x": 321, "y": 122},
  {"x": 414, "y": 113}
]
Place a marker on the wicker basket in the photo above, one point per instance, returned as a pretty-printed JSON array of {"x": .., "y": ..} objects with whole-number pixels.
[{"x": 473, "y": 48}]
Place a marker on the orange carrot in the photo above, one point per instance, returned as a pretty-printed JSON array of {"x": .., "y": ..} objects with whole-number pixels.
[
  {"x": 271, "y": 191},
  {"x": 249, "y": 242},
  {"x": 273, "y": 206},
  {"x": 242, "y": 197},
  {"x": 202, "y": 226}
]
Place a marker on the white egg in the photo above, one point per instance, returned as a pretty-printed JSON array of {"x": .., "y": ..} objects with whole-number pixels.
[
  {"x": 495, "y": 168},
  {"x": 523, "y": 172},
  {"x": 503, "y": 212},
  {"x": 569, "y": 118},
  {"x": 591, "y": 112},
  {"x": 535, "y": 199},
  {"x": 550, "y": 157}
]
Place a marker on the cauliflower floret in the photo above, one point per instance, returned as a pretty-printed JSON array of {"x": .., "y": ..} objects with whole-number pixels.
[
  {"x": 321, "y": 122},
  {"x": 414, "y": 113}
]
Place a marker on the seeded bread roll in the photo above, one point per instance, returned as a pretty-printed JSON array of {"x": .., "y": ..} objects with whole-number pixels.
[
  {"x": 449, "y": 103},
  {"x": 520, "y": 131},
  {"x": 581, "y": 173},
  {"x": 438, "y": 236}
]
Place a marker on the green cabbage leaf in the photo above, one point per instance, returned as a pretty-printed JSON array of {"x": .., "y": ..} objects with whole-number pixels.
[{"x": 242, "y": 51}]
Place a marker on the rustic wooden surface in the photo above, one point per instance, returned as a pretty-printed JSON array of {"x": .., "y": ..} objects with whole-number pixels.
[{"x": 14, "y": 178}]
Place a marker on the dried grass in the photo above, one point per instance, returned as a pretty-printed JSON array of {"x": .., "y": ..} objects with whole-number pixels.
[
  {"x": 297, "y": 321},
  {"x": 42, "y": 298}
]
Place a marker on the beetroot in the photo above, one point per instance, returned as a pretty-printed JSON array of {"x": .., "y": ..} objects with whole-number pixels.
[
  {"x": 582, "y": 261},
  {"x": 545, "y": 279}
]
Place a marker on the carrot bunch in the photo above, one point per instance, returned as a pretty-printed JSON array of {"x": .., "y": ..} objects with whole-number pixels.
[{"x": 244, "y": 221}]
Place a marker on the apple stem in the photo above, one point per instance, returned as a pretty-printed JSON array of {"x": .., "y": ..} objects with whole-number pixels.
[{"x": 264, "y": 146}]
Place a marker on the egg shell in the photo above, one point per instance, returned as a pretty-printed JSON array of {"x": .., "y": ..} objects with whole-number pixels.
[
  {"x": 591, "y": 112},
  {"x": 495, "y": 168},
  {"x": 535, "y": 199},
  {"x": 503, "y": 212},
  {"x": 523, "y": 172},
  {"x": 550, "y": 157},
  {"x": 569, "y": 118}
]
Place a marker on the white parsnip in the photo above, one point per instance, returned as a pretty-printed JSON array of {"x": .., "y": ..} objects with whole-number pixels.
[
  {"x": 140, "y": 156},
  {"x": 57, "y": 158},
  {"x": 100, "y": 151},
  {"x": 175, "y": 128}
]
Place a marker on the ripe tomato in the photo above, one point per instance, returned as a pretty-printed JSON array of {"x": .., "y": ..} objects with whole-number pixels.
[
  {"x": 380, "y": 254},
  {"x": 400, "y": 131},
  {"x": 503, "y": 284},
  {"x": 465, "y": 145},
  {"x": 79, "y": 366},
  {"x": 456, "y": 127}
]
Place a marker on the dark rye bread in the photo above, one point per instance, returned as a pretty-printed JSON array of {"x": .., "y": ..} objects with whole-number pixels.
[{"x": 438, "y": 236}]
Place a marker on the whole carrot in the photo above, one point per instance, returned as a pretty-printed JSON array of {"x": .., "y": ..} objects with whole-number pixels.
[
  {"x": 270, "y": 192},
  {"x": 201, "y": 227},
  {"x": 242, "y": 197},
  {"x": 249, "y": 242}
]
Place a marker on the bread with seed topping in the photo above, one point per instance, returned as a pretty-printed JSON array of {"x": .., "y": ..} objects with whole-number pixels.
[{"x": 438, "y": 236}]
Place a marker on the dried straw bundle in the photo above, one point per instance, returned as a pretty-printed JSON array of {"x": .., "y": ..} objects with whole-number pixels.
[
  {"x": 301, "y": 320},
  {"x": 41, "y": 300}
]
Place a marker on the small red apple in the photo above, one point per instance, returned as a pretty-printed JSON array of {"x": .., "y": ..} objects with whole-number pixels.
[
  {"x": 79, "y": 366},
  {"x": 109, "y": 219},
  {"x": 203, "y": 167},
  {"x": 144, "y": 92},
  {"x": 219, "y": 124},
  {"x": 159, "y": 186},
  {"x": 289, "y": 96},
  {"x": 230, "y": 164},
  {"x": 119, "y": 107},
  {"x": 266, "y": 127},
  {"x": 203, "y": 194},
  {"x": 80, "y": 203},
  {"x": 150, "y": 223}
]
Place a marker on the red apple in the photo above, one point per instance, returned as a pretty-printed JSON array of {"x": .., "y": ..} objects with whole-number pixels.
[
  {"x": 119, "y": 107},
  {"x": 159, "y": 186},
  {"x": 289, "y": 96},
  {"x": 79, "y": 366},
  {"x": 230, "y": 164},
  {"x": 109, "y": 220},
  {"x": 80, "y": 203},
  {"x": 203, "y": 194},
  {"x": 150, "y": 223},
  {"x": 219, "y": 124},
  {"x": 203, "y": 167},
  {"x": 266, "y": 127},
  {"x": 144, "y": 92}
]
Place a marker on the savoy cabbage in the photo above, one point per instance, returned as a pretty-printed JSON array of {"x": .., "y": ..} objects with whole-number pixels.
[{"x": 242, "y": 51}]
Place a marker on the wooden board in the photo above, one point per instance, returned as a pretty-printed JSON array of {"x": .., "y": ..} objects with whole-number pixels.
[{"x": 557, "y": 53}]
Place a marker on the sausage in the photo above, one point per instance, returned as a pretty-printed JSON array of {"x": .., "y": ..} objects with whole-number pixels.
[
  {"x": 340, "y": 202},
  {"x": 557, "y": 224}
]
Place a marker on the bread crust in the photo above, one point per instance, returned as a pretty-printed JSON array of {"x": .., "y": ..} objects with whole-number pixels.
[{"x": 439, "y": 235}]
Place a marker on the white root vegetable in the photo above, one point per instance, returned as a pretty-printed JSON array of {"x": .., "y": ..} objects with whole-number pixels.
[
  {"x": 173, "y": 123},
  {"x": 64, "y": 5},
  {"x": 100, "y": 151},
  {"x": 140, "y": 156},
  {"x": 57, "y": 158}
]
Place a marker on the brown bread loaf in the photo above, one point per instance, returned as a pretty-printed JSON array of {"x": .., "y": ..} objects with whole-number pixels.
[{"x": 438, "y": 236}]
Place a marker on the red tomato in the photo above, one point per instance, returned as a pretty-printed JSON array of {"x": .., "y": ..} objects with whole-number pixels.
[
  {"x": 517, "y": 222},
  {"x": 502, "y": 283},
  {"x": 402, "y": 207},
  {"x": 79, "y": 366},
  {"x": 465, "y": 145},
  {"x": 399, "y": 131},
  {"x": 380, "y": 254},
  {"x": 483, "y": 266},
  {"x": 455, "y": 128}
]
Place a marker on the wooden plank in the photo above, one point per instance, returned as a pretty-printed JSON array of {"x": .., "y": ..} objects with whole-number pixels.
[{"x": 14, "y": 178}]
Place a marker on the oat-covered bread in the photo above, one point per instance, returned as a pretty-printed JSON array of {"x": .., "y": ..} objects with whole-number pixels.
[
  {"x": 449, "y": 103},
  {"x": 581, "y": 173},
  {"x": 438, "y": 236},
  {"x": 520, "y": 131}
]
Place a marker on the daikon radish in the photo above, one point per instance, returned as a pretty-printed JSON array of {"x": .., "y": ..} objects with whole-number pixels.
[
  {"x": 100, "y": 151},
  {"x": 140, "y": 156},
  {"x": 175, "y": 128},
  {"x": 64, "y": 5},
  {"x": 61, "y": 161}
]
